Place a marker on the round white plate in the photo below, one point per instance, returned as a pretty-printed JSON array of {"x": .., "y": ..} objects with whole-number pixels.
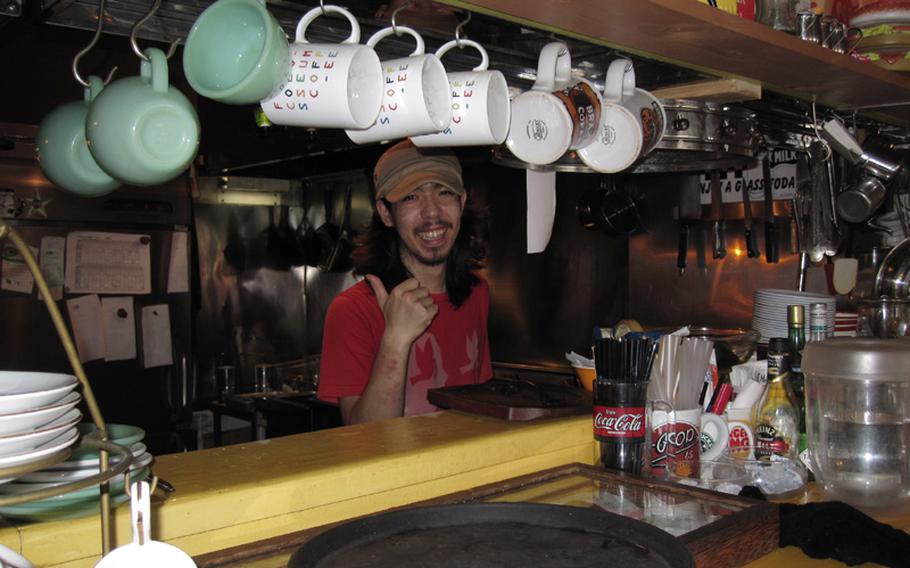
[
  {"x": 18, "y": 443},
  {"x": 21, "y": 391},
  {"x": 26, "y": 420},
  {"x": 61, "y": 442}
]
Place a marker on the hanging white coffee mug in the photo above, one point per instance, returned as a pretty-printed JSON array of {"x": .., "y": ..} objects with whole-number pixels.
[
  {"x": 631, "y": 124},
  {"x": 480, "y": 104},
  {"x": 416, "y": 98},
  {"x": 554, "y": 116},
  {"x": 329, "y": 85}
]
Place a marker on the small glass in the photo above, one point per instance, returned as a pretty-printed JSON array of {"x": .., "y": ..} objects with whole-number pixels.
[
  {"x": 777, "y": 14},
  {"x": 226, "y": 379}
]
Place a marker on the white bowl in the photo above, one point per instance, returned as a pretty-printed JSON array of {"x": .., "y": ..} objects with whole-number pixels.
[
  {"x": 26, "y": 420},
  {"x": 25, "y": 390},
  {"x": 23, "y": 442}
]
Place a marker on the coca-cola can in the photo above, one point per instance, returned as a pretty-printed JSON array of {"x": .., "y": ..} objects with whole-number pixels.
[{"x": 619, "y": 423}]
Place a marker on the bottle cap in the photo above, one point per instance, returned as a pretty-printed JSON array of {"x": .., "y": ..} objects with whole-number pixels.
[{"x": 796, "y": 315}]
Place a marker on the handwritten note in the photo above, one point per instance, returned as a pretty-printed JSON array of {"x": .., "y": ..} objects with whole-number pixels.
[
  {"x": 156, "y": 336},
  {"x": 119, "y": 323},
  {"x": 53, "y": 251},
  {"x": 85, "y": 319},
  {"x": 14, "y": 273}
]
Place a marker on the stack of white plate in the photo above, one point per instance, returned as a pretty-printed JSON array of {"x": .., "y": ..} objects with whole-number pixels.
[
  {"x": 769, "y": 315},
  {"x": 84, "y": 462},
  {"x": 38, "y": 418}
]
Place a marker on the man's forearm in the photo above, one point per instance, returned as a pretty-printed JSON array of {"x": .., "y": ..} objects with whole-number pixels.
[{"x": 384, "y": 395}]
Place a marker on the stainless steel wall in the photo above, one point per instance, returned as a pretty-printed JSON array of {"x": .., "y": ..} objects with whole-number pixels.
[
  {"x": 711, "y": 292},
  {"x": 543, "y": 305}
]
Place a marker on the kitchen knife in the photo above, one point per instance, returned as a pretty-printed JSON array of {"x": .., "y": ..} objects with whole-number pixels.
[
  {"x": 771, "y": 251},
  {"x": 689, "y": 212},
  {"x": 717, "y": 215},
  {"x": 751, "y": 247}
]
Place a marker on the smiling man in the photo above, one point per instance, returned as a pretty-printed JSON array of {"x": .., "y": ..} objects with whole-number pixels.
[{"x": 419, "y": 319}]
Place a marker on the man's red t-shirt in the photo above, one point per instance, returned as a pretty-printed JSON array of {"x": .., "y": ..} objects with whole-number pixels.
[{"x": 454, "y": 350}]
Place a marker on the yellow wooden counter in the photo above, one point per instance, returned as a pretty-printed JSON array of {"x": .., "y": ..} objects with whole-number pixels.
[{"x": 244, "y": 493}]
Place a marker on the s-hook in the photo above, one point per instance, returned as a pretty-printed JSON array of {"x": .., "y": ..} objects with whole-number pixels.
[
  {"x": 89, "y": 47},
  {"x": 139, "y": 23},
  {"x": 459, "y": 28},
  {"x": 395, "y": 16},
  {"x": 322, "y": 7}
]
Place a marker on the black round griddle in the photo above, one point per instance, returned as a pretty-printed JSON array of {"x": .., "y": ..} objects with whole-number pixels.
[{"x": 484, "y": 535}]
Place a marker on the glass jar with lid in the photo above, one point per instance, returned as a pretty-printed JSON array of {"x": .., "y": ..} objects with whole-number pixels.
[{"x": 858, "y": 419}]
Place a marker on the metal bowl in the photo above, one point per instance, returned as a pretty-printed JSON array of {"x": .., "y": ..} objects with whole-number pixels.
[
  {"x": 893, "y": 277},
  {"x": 732, "y": 346}
]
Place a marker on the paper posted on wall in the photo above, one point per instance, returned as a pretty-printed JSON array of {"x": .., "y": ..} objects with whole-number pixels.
[
  {"x": 53, "y": 251},
  {"x": 108, "y": 263},
  {"x": 178, "y": 279},
  {"x": 14, "y": 273},
  {"x": 119, "y": 323},
  {"x": 85, "y": 320},
  {"x": 156, "y": 336}
]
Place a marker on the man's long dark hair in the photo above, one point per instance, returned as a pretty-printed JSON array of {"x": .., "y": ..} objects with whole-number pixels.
[{"x": 377, "y": 253}]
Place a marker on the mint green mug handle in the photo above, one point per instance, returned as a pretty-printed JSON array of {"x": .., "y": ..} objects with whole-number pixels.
[
  {"x": 95, "y": 84},
  {"x": 155, "y": 69}
]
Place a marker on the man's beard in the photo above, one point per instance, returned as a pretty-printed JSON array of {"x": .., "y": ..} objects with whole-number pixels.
[{"x": 434, "y": 260}]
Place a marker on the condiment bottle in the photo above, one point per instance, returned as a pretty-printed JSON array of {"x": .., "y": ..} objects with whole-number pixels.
[
  {"x": 776, "y": 416},
  {"x": 818, "y": 323},
  {"x": 796, "y": 335}
]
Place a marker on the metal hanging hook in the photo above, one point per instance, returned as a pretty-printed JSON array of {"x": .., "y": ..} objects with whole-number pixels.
[
  {"x": 459, "y": 28},
  {"x": 89, "y": 47},
  {"x": 141, "y": 22},
  {"x": 395, "y": 16},
  {"x": 322, "y": 7}
]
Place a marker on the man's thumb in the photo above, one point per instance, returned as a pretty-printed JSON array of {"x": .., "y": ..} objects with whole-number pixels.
[{"x": 378, "y": 289}]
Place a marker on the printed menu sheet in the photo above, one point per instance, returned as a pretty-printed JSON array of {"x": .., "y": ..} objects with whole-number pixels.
[{"x": 108, "y": 263}]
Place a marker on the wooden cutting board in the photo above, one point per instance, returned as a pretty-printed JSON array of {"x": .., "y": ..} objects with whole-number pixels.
[{"x": 514, "y": 400}]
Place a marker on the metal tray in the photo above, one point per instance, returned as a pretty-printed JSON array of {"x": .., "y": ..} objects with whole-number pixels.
[{"x": 493, "y": 534}]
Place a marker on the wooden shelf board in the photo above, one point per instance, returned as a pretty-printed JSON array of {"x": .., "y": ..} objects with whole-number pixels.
[{"x": 696, "y": 36}]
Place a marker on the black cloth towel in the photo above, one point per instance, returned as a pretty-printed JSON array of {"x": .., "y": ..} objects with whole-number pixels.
[{"x": 833, "y": 529}]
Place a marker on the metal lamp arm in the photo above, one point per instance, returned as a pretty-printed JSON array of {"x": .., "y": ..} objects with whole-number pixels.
[{"x": 7, "y": 231}]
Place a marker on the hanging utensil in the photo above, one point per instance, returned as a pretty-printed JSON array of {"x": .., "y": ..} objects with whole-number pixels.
[
  {"x": 771, "y": 244},
  {"x": 751, "y": 246},
  {"x": 717, "y": 215},
  {"x": 689, "y": 213}
]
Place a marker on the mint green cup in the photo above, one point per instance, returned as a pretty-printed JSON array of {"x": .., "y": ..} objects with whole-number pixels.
[
  {"x": 141, "y": 130},
  {"x": 63, "y": 153},
  {"x": 236, "y": 53}
]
